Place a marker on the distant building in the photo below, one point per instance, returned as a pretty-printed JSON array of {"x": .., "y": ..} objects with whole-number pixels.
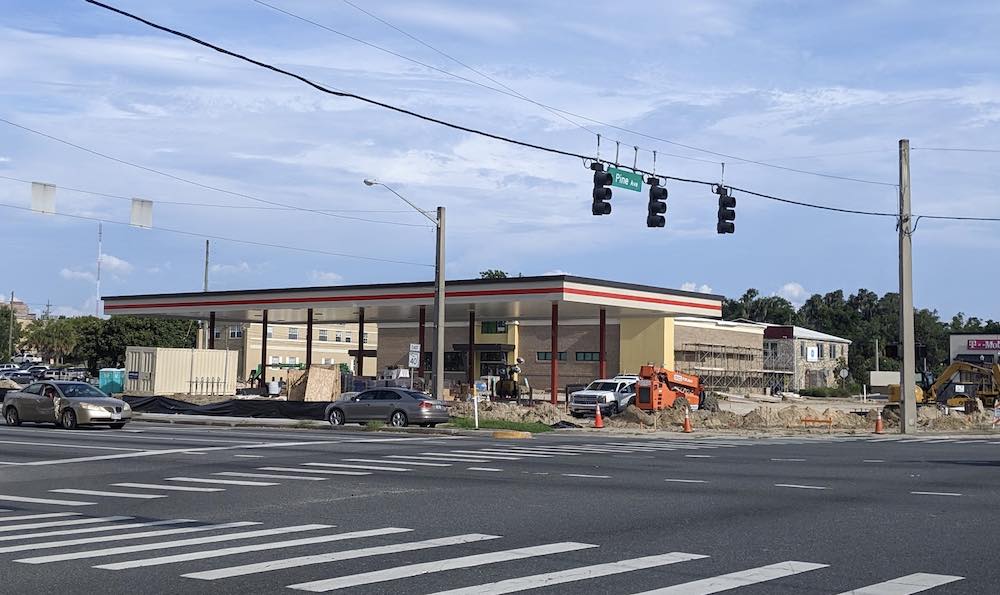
[
  {"x": 815, "y": 356},
  {"x": 975, "y": 348}
]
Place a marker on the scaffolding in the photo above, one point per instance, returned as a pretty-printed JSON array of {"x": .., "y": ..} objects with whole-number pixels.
[{"x": 728, "y": 368}]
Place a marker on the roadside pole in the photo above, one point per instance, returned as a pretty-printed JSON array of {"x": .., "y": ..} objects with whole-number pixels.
[
  {"x": 10, "y": 329},
  {"x": 439, "y": 320},
  {"x": 908, "y": 400}
]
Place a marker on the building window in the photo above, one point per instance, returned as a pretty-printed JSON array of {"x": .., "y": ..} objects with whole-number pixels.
[
  {"x": 833, "y": 351},
  {"x": 338, "y": 336},
  {"x": 546, "y": 356},
  {"x": 217, "y": 334},
  {"x": 802, "y": 349},
  {"x": 770, "y": 350},
  {"x": 236, "y": 332},
  {"x": 275, "y": 360},
  {"x": 324, "y": 335},
  {"x": 293, "y": 333},
  {"x": 820, "y": 347},
  {"x": 270, "y": 332},
  {"x": 347, "y": 337},
  {"x": 493, "y": 327},
  {"x": 364, "y": 338},
  {"x": 588, "y": 356},
  {"x": 454, "y": 361},
  {"x": 293, "y": 359}
]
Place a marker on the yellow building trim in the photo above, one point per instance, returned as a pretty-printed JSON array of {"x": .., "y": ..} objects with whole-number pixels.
[{"x": 646, "y": 341}]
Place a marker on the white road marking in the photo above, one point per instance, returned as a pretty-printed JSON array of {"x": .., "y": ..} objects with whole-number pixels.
[
  {"x": 156, "y": 486},
  {"x": 873, "y": 461},
  {"x": 800, "y": 487},
  {"x": 434, "y": 457},
  {"x": 904, "y": 585},
  {"x": 483, "y": 469},
  {"x": 391, "y": 574},
  {"x": 699, "y": 456},
  {"x": 101, "y": 529},
  {"x": 573, "y": 574},
  {"x": 229, "y": 551},
  {"x": 365, "y": 467},
  {"x": 686, "y": 480},
  {"x": 542, "y": 450},
  {"x": 269, "y": 476},
  {"x": 395, "y": 548},
  {"x": 472, "y": 454},
  {"x": 735, "y": 580},
  {"x": 108, "y": 494},
  {"x": 121, "y": 537},
  {"x": 162, "y": 545},
  {"x": 585, "y": 475},
  {"x": 47, "y": 515},
  {"x": 249, "y": 456},
  {"x": 69, "y": 445},
  {"x": 47, "y": 524},
  {"x": 936, "y": 493},
  {"x": 419, "y": 464},
  {"x": 320, "y": 471},
  {"x": 154, "y": 453},
  {"x": 9, "y": 498},
  {"x": 233, "y": 482},
  {"x": 786, "y": 460},
  {"x": 497, "y": 451},
  {"x": 192, "y": 452}
]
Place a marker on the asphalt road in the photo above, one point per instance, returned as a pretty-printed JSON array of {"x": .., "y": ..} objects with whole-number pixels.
[{"x": 158, "y": 509}]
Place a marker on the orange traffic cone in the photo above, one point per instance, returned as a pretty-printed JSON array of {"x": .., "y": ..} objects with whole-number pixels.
[
  {"x": 878, "y": 424},
  {"x": 598, "y": 420},
  {"x": 687, "y": 421}
]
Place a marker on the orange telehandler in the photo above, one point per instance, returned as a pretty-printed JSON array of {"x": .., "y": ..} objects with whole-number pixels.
[{"x": 659, "y": 388}]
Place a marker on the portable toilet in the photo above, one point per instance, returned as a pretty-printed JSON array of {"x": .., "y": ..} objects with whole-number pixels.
[{"x": 111, "y": 380}]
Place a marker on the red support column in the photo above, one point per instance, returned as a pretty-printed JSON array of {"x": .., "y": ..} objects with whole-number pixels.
[
  {"x": 603, "y": 357},
  {"x": 472, "y": 347},
  {"x": 554, "y": 362},
  {"x": 309, "y": 338},
  {"x": 361, "y": 342},
  {"x": 263, "y": 349},
  {"x": 420, "y": 339},
  {"x": 211, "y": 330}
]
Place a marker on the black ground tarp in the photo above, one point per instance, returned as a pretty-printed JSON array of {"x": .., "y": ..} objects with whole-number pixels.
[{"x": 233, "y": 407}]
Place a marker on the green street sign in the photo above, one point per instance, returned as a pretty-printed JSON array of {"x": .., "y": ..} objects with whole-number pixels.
[{"x": 625, "y": 179}]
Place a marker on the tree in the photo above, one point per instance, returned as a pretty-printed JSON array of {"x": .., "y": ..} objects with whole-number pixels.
[
  {"x": 768, "y": 309},
  {"x": 52, "y": 339},
  {"x": 493, "y": 274},
  {"x": 120, "y": 332},
  {"x": 7, "y": 320}
]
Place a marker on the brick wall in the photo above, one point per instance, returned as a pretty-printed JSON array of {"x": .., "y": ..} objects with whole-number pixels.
[{"x": 585, "y": 338}]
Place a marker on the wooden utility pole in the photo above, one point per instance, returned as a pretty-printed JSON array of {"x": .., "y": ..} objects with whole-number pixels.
[{"x": 908, "y": 400}]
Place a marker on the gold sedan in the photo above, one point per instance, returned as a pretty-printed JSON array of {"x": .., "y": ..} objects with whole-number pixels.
[{"x": 66, "y": 404}]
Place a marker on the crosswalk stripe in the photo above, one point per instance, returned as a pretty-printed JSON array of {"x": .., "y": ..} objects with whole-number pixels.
[
  {"x": 318, "y": 471},
  {"x": 101, "y": 529},
  {"x": 108, "y": 494},
  {"x": 395, "y": 548},
  {"x": 584, "y": 475},
  {"x": 87, "y": 521},
  {"x": 434, "y": 457},
  {"x": 46, "y": 515},
  {"x": 484, "y": 469},
  {"x": 480, "y": 455},
  {"x": 25, "y": 499},
  {"x": 156, "y": 486},
  {"x": 391, "y": 574},
  {"x": 511, "y": 452},
  {"x": 269, "y": 476},
  {"x": 573, "y": 574},
  {"x": 542, "y": 450},
  {"x": 904, "y": 585},
  {"x": 233, "y": 482},
  {"x": 416, "y": 463},
  {"x": 162, "y": 545},
  {"x": 229, "y": 551},
  {"x": 347, "y": 466},
  {"x": 121, "y": 537},
  {"x": 735, "y": 580}
]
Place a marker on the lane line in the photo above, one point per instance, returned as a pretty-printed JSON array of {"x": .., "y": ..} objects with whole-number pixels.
[
  {"x": 419, "y": 464},
  {"x": 437, "y": 458},
  {"x": 154, "y": 453},
  {"x": 249, "y": 456},
  {"x": 509, "y": 453},
  {"x": 101, "y": 529},
  {"x": 9, "y": 498},
  {"x": 585, "y": 475},
  {"x": 797, "y": 486},
  {"x": 471, "y": 454},
  {"x": 47, "y": 524},
  {"x": 686, "y": 480},
  {"x": 157, "y": 486},
  {"x": 483, "y": 469},
  {"x": 873, "y": 461},
  {"x": 347, "y": 466},
  {"x": 47, "y": 515},
  {"x": 786, "y": 460},
  {"x": 229, "y": 551},
  {"x": 108, "y": 494},
  {"x": 319, "y": 471},
  {"x": 162, "y": 545},
  {"x": 399, "y": 572},
  {"x": 122, "y": 537},
  {"x": 573, "y": 574},
  {"x": 735, "y": 580},
  {"x": 905, "y": 585},
  {"x": 70, "y": 445},
  {"x": 936, "y": 493},
  {"x": 270, "y": 476},
  {"x": 233, "y": 482},
  {"x": 700, "y": 456},
  {"x": 297, "y": 562}
]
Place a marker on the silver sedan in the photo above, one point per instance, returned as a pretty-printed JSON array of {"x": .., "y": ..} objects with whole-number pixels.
[
  {"x": 66, "y": 404},
  {"x": 398, "y": 407}
]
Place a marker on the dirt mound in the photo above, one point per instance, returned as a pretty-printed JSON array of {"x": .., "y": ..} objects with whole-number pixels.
[{"x": 545, "y": 413}]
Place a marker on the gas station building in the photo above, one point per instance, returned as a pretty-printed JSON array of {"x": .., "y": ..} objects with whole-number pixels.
[{"x": 568, "y": 329}]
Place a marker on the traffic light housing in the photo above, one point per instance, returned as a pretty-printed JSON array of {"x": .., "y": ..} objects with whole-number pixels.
[
  {"x": 602, "y": 194},
  {"x": 657, "y": 204},
  {"x": 727, "y": 212}
]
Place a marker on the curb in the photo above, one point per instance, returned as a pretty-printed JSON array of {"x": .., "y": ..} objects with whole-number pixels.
[{"x": 298, "y": 424}]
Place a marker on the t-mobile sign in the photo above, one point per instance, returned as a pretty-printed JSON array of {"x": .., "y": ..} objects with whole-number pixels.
[{"x": 984, "y": 344}]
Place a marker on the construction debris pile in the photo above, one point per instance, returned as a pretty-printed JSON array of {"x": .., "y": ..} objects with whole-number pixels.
[{"x": 545, "y": 413}]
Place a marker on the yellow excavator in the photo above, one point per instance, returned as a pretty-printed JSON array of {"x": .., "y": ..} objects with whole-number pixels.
[{"x": 958, "y": 386}]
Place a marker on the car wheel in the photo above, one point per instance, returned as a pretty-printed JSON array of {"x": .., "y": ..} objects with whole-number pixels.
[
  {"x": 117, "y": 426},
  {"x": 13, "y": 419},
  {"x": 68, "y": 419},
  {"x": 336, "y": 417},
  {"x": 398, "y": 419},
  {"x": 614, "y": 409},
  {"x": 681, "y": 403}
]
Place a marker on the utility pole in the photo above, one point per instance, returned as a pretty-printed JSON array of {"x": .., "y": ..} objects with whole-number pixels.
[
  {"x": 100, "y": 252},
  {"x": 10, "y": 328},
  {"x": 439, "y": 319},
  {"x": 47, "y": 313},
  {"x": 908, "y": 401},
  {"x": 202, "y": 330}
]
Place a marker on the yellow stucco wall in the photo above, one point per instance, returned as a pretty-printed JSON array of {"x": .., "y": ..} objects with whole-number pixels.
[{"x": 644, "y": 341}]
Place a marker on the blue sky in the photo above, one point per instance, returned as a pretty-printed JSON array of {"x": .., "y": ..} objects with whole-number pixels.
[{"x": 821, "y": 86}]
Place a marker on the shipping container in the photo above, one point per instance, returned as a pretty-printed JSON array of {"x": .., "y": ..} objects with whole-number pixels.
[{"x": 162, "y": 371}]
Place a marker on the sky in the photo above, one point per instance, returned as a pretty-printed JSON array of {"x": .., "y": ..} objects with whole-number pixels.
[{"x": 825, "y": 87}]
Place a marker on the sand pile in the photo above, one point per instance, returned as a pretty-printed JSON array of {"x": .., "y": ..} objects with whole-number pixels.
[{"x": 545, "y": 413}]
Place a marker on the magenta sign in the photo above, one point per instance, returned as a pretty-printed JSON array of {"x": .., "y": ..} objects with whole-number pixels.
[{"x": 984, "y": 344}]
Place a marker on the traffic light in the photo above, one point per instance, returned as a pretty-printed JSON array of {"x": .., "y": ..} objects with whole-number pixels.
[
  {"x": 727, "y": 212},
  {"x": 657, "y": 204},
  {"x": 602, "y": 194}
]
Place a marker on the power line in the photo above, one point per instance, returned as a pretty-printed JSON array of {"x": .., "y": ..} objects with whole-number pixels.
[
  {"x": 957, "y": 149},
  {"x": 184, "y": 180},
  {"x": 225, "y": 239}
]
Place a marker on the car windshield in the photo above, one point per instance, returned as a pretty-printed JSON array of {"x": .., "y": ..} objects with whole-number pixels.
[
  {"x": 610, "y": 386},
  {"x": 81, "y": 391}
]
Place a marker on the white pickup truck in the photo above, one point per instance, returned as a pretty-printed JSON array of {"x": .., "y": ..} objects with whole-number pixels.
[{"x": 613, "y": 395}]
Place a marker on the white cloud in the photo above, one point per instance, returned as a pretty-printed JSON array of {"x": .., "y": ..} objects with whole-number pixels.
[
  {"x": 115, "y": 265},
  {"x": 557, "y": 272},
  {"x": 691, "y": 286},
  {"x": 326, "y": 277},
  {"x": 74, "y": 275},
  {"x": 230, "y": 269},
  {"x": 793, "y": 292},
  {"x": 4, "y": 159}
]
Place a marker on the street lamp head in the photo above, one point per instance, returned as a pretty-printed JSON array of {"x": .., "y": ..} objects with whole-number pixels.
[{"x": 370, "y": 182}]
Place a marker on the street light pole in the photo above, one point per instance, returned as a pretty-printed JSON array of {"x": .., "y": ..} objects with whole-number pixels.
[{"x": 439, "y": 320}]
